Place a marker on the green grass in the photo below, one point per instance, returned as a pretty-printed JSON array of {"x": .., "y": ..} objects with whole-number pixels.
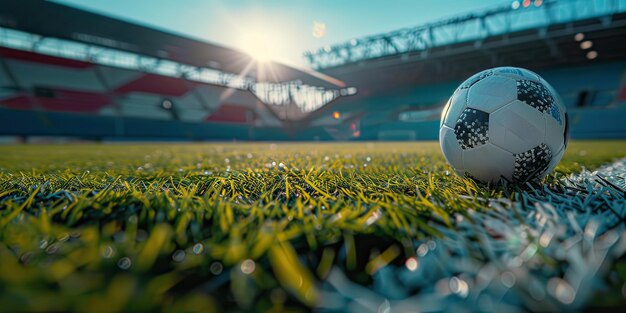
[{"x": 213, "y": 227}]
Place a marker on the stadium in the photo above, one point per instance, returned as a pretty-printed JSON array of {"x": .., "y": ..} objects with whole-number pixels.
[{"x": 143, "y": 169}]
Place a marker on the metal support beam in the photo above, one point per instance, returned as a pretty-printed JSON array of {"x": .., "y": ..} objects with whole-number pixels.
[{"x": 470, "y": 27}]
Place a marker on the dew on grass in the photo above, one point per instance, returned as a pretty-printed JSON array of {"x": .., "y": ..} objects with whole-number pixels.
[
  {"x": 63, "y": 237},
  {"x": 247, "y": 266},
  {"x": 216, "y": 268},
  {"x": 108, "y": 252},
  {"x": 422, "y": 250},
  {"x": 411, "y": 264},
  {"x": 198, "y": 248},
  {"x": 432, "y": 245},
  {"x": 26, "y": 257},
  {"x": 508, "y": 279},
  {"x": 53, "y": 248},
  {"x": 178, "y": 256},
  {"x": 124, "y": 263},
  {"x": 459, "y": 287}
]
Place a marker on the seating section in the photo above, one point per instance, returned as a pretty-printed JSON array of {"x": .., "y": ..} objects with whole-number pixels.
[
  {"x": 595, "y": 95},
  {"x": 48, "y": 84},
  {"x": 31, "y": 57},
  {"x": 58, "y": 100},
  {"x": 143, "y": 105},
  {"x": 46, "y": 95},
  {"x": 232, "y": 113},
  {"x": 587, "y": 85},
  {"x": 30, "y": 75},
  {"x": 155, "y": 84}
]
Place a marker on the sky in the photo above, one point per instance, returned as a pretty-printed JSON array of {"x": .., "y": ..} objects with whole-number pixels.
[{"x": 281, "y": 30}]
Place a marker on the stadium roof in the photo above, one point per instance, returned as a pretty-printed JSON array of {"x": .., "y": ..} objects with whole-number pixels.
[
  {"x": 469, "y": 27},
  {"x": 50, "y": 19}
]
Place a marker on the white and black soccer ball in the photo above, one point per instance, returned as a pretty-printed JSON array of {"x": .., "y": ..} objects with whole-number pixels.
[{"x": 504, "y": 123}]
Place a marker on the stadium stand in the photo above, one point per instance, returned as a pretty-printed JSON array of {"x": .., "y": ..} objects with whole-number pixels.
[
  {"x": 98, "y": 83},
  {"x": 404, "y": 75}
]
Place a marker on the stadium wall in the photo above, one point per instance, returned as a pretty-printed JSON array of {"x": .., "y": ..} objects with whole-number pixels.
[
  {"x": 44, "y": 95},
  {"x": 49, "y": 96},
  {"x": 594, "y": 94}
]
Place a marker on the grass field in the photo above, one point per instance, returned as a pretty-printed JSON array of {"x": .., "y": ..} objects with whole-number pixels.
[{"x": 214, "y": 227}]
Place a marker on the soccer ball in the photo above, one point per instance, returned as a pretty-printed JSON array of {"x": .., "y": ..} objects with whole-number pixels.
[{"x": 504, "y": 123}]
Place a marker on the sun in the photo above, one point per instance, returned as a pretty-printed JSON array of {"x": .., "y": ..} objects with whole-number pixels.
[{"x": 260, "y": 45}]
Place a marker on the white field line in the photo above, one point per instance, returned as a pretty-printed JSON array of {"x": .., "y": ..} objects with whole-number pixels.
[{"x": 547, "y": 251}]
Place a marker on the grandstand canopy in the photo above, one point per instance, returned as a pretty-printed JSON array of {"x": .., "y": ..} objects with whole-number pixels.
[
  {"x": 538, "y": 36},
  {"x": 54, "y": 20}
]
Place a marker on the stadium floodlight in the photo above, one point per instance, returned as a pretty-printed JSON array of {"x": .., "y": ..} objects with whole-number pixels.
[
  {"x": 592, "y": 55},
  {"x": 579, "y": 37},
  {"x": 423, "y": 38},
  {"x": 586, "y": 44}
]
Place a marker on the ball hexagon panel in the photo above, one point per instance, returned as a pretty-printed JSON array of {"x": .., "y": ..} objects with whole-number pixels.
[
  {"x": 535, "y": 94},
  {"x": 451, "y": 149},
  {"x": 516, "y": 73},
  {"x": 531, "y": 164},
  {"x": 488, "y": 162},
  {"x": 456, "y": 105},
  {"x": 492, "y": 93},
  {"x": 472, "y": 128},
  {"x": 517, "y": 127}
]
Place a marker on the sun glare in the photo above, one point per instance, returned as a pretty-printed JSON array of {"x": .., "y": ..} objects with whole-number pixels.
[{"x": 260, "y": 45}]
